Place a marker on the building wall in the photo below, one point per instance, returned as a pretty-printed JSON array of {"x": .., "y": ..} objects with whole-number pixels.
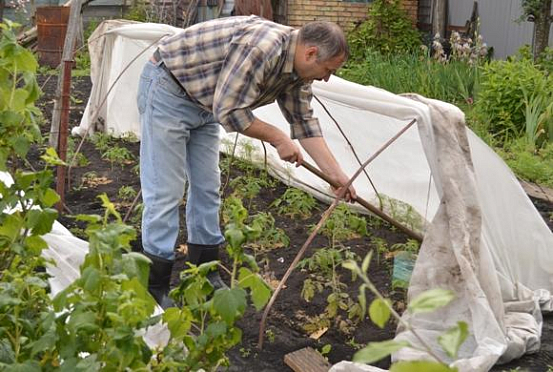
[
  {"x": 345, "y": 13},
  {"x": 498, "y": 25}
]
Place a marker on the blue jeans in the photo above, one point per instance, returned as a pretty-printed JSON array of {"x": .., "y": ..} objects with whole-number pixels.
[{"x": 180, "y": 142}]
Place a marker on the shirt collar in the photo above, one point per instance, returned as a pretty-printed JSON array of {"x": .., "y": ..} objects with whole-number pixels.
[{"x": 289, "y": 63}]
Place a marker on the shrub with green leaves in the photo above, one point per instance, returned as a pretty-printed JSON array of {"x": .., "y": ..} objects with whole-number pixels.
[
  {"x": 501, "y": 99},
  {"x": 388, "y": 30},
  {"x": 18, "y": 92}
]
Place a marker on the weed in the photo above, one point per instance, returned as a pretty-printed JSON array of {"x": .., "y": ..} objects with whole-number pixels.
[
  {"x": 126, "y": 193},
  {"x": 118, "y": 155},
  {"x": 270, "y": 237},
  {"x": 246, "y": 187},
  {"x": 102, "y": 141},
  {"x": 325, "y": 350},
  {"x": 129, "y": 137},
  {"x": 295, "y": 203},
  {"x": 322, "y": 267},
  {"x": 137, "y": 214},
  {"x": 343, "y": 224},
  {"x": 411, "y": 246},
  {"x": 270, "y": 335},
  {"x": 136, "y": 169},
  {"x": 245, "y": 352},
  {"x": 380, "y": 246}
]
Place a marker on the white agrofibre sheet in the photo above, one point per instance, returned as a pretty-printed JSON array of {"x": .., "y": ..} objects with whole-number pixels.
[{"x": 483, "y": 237}]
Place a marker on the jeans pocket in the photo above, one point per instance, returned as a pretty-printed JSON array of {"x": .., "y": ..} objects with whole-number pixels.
[
  {"x": 144, "y": 85},
  {"x": 171, "y": 86}
]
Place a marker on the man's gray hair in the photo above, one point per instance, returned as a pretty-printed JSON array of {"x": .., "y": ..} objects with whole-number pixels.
[{"x": 328, "y": 37}]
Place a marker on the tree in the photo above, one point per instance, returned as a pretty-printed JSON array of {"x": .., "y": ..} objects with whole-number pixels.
[{"x": 540, "y": 12}]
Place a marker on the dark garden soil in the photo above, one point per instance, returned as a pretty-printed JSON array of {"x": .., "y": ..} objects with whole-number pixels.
[{"x": 285, "y": 327}]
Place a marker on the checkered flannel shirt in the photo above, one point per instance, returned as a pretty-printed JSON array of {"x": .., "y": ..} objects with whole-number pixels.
[{"x": 231, "y": 66}]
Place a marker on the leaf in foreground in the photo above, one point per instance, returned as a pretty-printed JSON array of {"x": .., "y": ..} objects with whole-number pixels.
[
  {"x": 379, "y": 312},
  {"x": 453, "y": 338},
  {"x": 430, "y": 300},
  {"x": 375, "y": 351},
  {"x": 421, "y": 366}
]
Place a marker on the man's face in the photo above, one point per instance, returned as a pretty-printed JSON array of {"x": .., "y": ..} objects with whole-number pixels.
[{"x": 314, "y": 69}]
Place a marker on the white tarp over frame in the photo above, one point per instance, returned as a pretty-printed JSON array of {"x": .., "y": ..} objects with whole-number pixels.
[{"x": 483, "y": 237}]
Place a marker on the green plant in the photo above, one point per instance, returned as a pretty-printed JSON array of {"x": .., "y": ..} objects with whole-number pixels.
[
  {"x": 18, "y": 91},
  {"x": 247, "y": 187},
  {"x": 118, "y": 155},
  {"x": 380, "y": 246},
  {"x": 322, "y": 267},
  {"x": 270, "y": 335},
  {"x": 500, "y": 101},
  {"x": 126, "y": 193},
  {"x": 26, "y": 319},
  {"x": 387, "y": 30},
  {"x": 102, "y": 141},
  {"x": 100, "y": 313},
  {"x": 295, "y": 203},
  {"x": 455, "y": 81},
  {"x": 270, "y": 237},
  {"x": 206, "y": 323},
  {"x": 380, "y": 311},
  {"x": 539, "y": 119},
  {"x": 325, "y": 350},
  {"x": 80, "y": 159},
  {"x": 411, "y": 246},
  {"x": 529, "y": 163},
  {"x": 343, "y": 224}
]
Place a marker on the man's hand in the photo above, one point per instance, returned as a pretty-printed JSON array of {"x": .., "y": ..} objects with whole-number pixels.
[
  {"x": 319, "y": 151},
  {"x": 342, "y": 179},
  {"x": 288, "y": 151}
]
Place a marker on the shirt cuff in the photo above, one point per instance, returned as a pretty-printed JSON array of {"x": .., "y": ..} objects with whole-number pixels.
[
  {"x": 237, "y": 120},
  {"x": 306, "y": 128}
]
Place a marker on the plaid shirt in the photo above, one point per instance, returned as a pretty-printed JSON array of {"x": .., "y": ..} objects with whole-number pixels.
[{"x": 231, "y": 66}]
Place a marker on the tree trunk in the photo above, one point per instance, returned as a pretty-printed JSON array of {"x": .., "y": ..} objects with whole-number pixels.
[
  {"x": 439, "y": 18},
  {"x": 542, "y": 24}
]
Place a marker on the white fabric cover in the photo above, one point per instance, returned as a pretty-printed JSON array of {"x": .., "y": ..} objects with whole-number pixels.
[{"x": 486, "y": 240}]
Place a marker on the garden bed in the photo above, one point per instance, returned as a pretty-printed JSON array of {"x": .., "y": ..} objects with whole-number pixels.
[{"x": 291, "y": 315}]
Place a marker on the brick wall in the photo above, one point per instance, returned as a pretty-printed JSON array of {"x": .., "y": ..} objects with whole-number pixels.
[{"x": 344, "y": 13}]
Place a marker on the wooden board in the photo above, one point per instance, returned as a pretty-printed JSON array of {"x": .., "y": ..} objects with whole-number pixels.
[
  {"x": 307, "y": 360},
  {"x": 537, "y": 191}
]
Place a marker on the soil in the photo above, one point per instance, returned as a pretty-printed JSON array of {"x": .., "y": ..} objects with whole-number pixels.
[{"x": 285, "y": 325}]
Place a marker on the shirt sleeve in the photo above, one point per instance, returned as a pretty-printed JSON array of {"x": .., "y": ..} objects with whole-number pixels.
[
  {"x": 295, "y": 105},
  {"x": 240, "y": 83}
]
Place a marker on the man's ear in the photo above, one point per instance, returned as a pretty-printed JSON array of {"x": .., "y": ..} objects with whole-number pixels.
[{"x": 311, "y": 53}]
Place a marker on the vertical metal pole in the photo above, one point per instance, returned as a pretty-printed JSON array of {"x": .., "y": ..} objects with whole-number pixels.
[{"x": 65, "y": 93}]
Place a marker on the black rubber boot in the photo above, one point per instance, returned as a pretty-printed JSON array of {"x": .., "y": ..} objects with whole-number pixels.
[
  {"x": 159, "y": 280},
  {"x": 199, "y": 253}
]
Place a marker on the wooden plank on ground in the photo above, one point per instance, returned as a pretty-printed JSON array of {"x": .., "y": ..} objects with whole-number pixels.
[
  {"x": 537, "y": 191},
  {"x": 306, "y": 360}
]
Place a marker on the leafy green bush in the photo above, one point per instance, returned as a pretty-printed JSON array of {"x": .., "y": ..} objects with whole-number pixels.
[
  {"x": 18, "y": 91},
  {"x": 501, "y": 99},
  {"x": 528, "y": 163},
  {"x": 388, "y": 30}
]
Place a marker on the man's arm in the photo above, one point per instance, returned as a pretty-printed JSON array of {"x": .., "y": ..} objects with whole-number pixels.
[
  {"x": 287, "y": 149},
  {"x": 317, "y": 148}
]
